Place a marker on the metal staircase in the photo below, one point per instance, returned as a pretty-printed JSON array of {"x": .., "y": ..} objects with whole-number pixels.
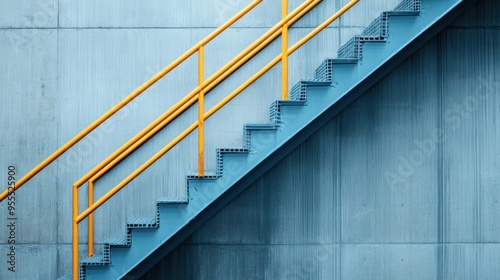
[{"x": 362, "y": 61}]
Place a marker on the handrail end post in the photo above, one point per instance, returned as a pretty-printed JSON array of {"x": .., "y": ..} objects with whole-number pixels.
[
  {"x": 75, "y": 272},
  {"x": 90, "y": 220}
]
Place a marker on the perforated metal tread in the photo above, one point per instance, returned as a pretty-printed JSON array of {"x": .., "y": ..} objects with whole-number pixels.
[
  {"x": 344, "y": 61},
  {"x": 260, "y": 126},
  {"x": 142, "y": 222},
  {"x": 97, "y": 260},
  {"x": 232, "y": 150},
  {"x": 289, "y": 102},
  {"x": 403, "y": 13},
  {"x": 118, "y": 241},
  {"x": 205, "y": 177},
  {"x": 172, "y": 200},
  {"x": 313, "y": 83}
]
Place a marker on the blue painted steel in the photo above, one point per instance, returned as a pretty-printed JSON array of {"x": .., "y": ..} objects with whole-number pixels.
[
  {"x": 363, "y": 60},
  {"x": 125, "y": 241}
]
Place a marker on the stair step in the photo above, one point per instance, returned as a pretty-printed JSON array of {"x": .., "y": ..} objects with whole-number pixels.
[
  {"x": 142, "y": 222},
  {"x": 353, "y": 49},
  {"x": 299, "y": 90},
  {"x": 118, "y": 241},
  {"x": 275, "y": 109},
  {"x": 409, "y": 5},
  {"x": 231, "y": 151},
  {"x": 314, "y": 83},
  {"x": 324, "y": 72},
  {"x": 172, "y": 200},
  {"x": 365, "y": 39},
  {"x": 260, "y": 126},
  {"x": 344, "y": 61},
  {"x": 205, "y": 177},
  {"x": 289, "y": 102},
  {"x": 248, "y": 128},
  {"x": 97, "y": 260},
  {"x": 224, "y": 153},
  {"x": 403, "y": 13}
]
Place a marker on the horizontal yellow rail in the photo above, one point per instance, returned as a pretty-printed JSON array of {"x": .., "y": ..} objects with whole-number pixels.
[{"x": 186, "y": 102}]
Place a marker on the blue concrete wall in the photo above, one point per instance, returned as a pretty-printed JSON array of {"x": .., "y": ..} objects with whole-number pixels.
[
  {"x": 64, "y": 63},
  {"x": 403, "y": 184}
]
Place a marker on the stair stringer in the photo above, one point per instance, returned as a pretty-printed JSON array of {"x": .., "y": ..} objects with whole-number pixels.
[{"x": 337, "y": 83}]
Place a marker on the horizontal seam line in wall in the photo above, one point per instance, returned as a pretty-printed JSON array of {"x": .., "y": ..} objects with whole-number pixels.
[
  {"x": 277, "y": 244},
  {"x": 474, "y": 27},
  {"x": 162, "y": 28},
  {"x": 351, "y": 243}
]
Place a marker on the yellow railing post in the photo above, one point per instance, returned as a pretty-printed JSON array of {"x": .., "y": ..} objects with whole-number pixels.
[
  {"x": 201, "y": 122},
  {"x": 284, "y": 52},
  {"x": 91, "y": 219},
  {"x": 75, "y": 273}
]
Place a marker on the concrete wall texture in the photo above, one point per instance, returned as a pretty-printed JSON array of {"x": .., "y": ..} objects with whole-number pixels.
[{"x": 403, "y": 184}]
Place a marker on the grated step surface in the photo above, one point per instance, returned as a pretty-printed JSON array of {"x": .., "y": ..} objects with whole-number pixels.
[
  {"x": 97, "y": 260},
  {"x": 261, "y": 126},
  {"x": 172, "y": 200},
  {"x": 142, "y": 222},
  {"x": 344, "y": 61},
  {"x": 118, "y": 240}
]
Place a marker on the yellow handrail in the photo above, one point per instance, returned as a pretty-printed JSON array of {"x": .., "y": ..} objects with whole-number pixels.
[
  {"x": 127, "y": 100},
  {"x": 77, "y": 218},
  {"x": 148, "y": 132}
]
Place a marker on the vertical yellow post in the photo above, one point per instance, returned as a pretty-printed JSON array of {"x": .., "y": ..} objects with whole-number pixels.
[
  {"x": 284, "y": 52},
  {"x": 91, "y": 220},
  {"x": 75, "y": 234},
  {"x": 201, "y": 112}
]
